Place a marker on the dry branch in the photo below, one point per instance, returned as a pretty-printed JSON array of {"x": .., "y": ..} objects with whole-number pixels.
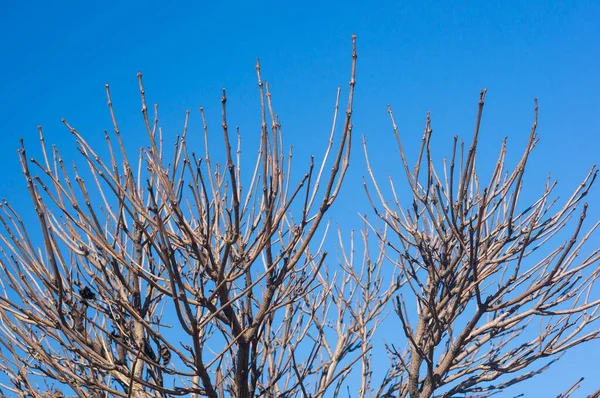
[{"x": 468, "y": 252}]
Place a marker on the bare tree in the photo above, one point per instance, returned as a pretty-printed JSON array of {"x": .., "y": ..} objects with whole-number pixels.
[
  {"x": 169, "y": 275},
  {"x": 467, "y": 250}
]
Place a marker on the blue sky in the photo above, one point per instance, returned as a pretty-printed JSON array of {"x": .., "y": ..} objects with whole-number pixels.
[{"x": 416, "y": 56}]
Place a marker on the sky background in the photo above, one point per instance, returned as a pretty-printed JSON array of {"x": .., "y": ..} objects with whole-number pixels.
[{"x": 416, "y": 56}]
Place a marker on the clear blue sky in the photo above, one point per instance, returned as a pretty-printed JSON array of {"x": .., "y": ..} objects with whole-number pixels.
[{"x": 416, "y": 56}]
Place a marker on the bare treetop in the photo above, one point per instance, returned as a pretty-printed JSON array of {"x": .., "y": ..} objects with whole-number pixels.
[
  {"x": 173, "y": 273},
  {"x": 466, "y": 249},
  {"x": 161, "y": 277}
]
